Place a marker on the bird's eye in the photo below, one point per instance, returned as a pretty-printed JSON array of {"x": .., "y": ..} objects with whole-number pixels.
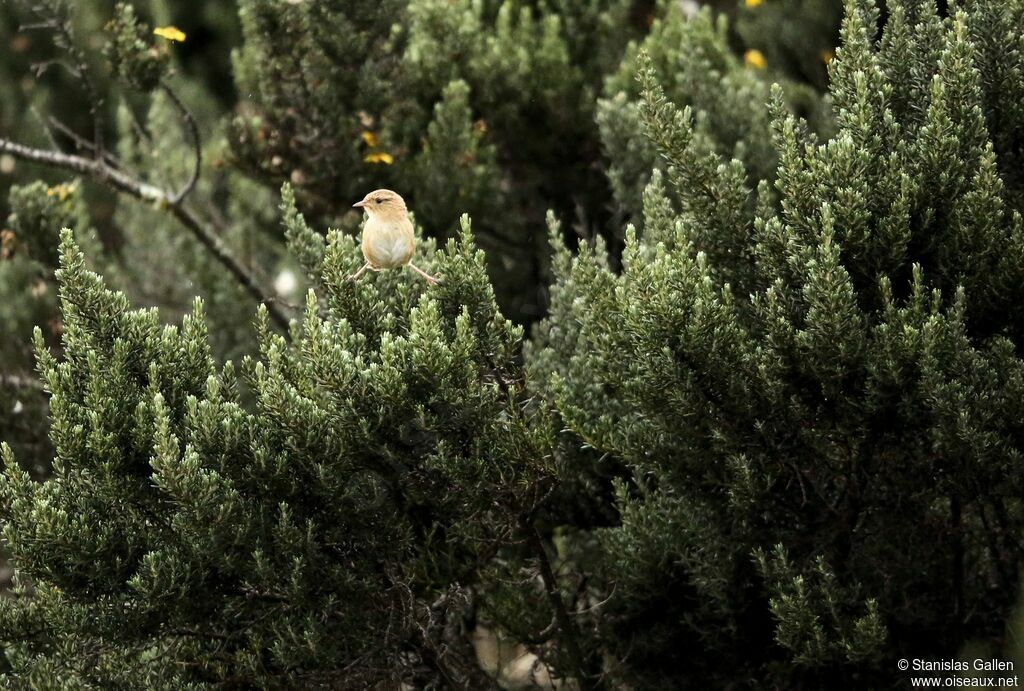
[{"x": 380, "y": 201}]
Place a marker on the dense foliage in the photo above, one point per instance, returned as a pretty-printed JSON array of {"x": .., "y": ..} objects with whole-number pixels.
[
  {"x": 729, "y": 396},
  {"x": 815, "y": 389}
]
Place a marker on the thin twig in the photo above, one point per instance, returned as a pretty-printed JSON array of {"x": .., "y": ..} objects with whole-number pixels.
[
  {"x": 138, "y": 127},
  {"x": 42, "y": 124},
  {"x": 586, "y": 676},
  {"x": 43, "y": 25},
  {"x": 193, "y": 129},
  {"x": 96, "y": 102},
  {"x": 598, "y": 605},
  {"x": 123, "y": 182},
  {"x": 81, "y": 142},
  {"x": 41, "y": 67}
]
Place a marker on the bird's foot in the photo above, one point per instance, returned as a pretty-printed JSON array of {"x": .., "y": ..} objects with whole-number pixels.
[
  {"x": 431, "y": 280},
  {"x": 359, "y": 273}
]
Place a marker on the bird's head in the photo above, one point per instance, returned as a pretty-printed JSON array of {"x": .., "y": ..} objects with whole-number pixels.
[{"x": 383, "y": 203}]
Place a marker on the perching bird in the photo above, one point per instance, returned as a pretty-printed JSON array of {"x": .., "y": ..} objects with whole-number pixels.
[{"x": 388, "y": 238}]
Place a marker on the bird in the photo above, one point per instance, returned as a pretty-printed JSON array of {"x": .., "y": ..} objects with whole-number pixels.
[{"x": 388, "y": 237}]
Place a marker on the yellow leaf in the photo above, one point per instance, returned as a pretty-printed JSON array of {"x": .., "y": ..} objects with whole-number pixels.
[
  {"x": 379, "y": 157},
  {"x": 754, "y": 3},
  {"x": 171, "y": 33},
  {"x": 369, "y": 137},
  {"x": 755, "y": 59}
]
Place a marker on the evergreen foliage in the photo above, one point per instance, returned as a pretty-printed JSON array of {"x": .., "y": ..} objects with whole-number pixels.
[
  {"x": 696, "y": 69},
  {"x": 323, "y": 536},
  {"x": 28, "y": 255},
  {"x": 766, "y": 434},
  {"x": 816, "y": 389},
  {"x": 467, "y": 106}
]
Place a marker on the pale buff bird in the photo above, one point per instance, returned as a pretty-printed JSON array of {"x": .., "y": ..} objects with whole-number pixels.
[{"x": 388, "y": 237}]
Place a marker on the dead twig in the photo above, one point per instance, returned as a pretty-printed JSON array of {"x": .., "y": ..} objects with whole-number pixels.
[
  {"x": 81, "y": 143},
  {"x": 193, "y": 129}
]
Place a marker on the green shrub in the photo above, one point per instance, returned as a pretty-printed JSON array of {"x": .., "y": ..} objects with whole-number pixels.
[{"x": 815, "y": 389}]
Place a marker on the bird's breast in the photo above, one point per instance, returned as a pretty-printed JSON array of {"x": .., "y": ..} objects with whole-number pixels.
[{"x": 388, "y": 245}]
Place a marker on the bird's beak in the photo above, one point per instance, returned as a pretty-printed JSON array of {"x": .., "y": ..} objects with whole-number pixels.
[{"x": 359, "y": 205}]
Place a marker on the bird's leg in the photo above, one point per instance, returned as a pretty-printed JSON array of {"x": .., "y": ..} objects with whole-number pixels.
[
  {"x": 359, "y": 273},
  {"x": 432, "y": 280}
]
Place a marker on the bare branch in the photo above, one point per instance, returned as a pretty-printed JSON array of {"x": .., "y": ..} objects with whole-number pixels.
[
  {"x": 81, "y": 142},
  {"x": 97, "y": 169},
  {"x": 223, "y": 254},
  {"x": 193, "y": 128},
  {"x": 86, "y": 166}
]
